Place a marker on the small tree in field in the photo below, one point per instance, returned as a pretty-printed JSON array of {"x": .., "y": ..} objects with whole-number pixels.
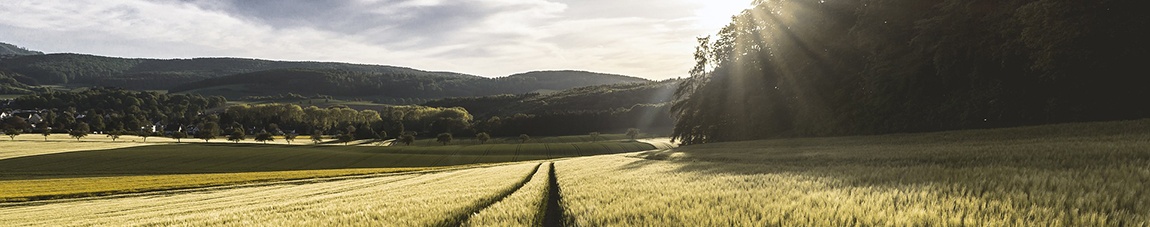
[
  {"x": 179, "y": 135},
  {"x": 46, "y": 132},
  {"x": 264, "y": 137},
  {"x": 316, "y": 136},
  {"x": 210, "y": 131},
  {"x": 523, "y": 138},
  {"x": 407, "y": 139},
  {"x": 633, "y": 133},
  {"x": 594, "y": 136},
  {"x": 11, "y": 133},
  {"x": 290, "y": 137},
  {"x": 237, "y": 135},
  {"x": 145, "y": 134},
  {"x": 443, "y": 138},
  {"x": 115, "y": 134},
  {"x": 482, "y": 137},
  {"x": 345, "y": 137},
  {"x": 80, "y": 131}
]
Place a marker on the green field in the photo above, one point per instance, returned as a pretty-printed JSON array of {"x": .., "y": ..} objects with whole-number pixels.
[
  {"x": 1085, "y": 174},
  {"x": 464, "y": 140},
  {"x": 230, "y": 158}
]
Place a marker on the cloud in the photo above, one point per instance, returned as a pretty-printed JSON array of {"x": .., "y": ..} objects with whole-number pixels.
[{"x": 644, "y": 38}]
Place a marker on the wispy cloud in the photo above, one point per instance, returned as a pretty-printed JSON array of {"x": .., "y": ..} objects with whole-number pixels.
[{"x": 647, "y": 38}]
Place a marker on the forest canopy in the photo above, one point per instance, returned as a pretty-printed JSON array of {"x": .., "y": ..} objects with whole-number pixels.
[{"x": 788, "y": 68}]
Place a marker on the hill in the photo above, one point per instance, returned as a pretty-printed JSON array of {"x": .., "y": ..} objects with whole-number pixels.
[
  {"x": 162, "y": 74},
  {"x": 13, "y": 50},
  {"x": 388, "y": 87},
  {"x": 237, "y": 78},
  {"x": 604, "y": 108},
  {"x": 582, "y": 99}
]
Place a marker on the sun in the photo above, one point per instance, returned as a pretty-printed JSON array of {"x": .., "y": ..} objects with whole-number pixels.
[{"x": 714, "y": 14}]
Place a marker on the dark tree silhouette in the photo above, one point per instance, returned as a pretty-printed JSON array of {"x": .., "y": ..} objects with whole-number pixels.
[
  {"x": 80, "y": 131},
  {"x": 11, "y": 133},
  {"x": 178, "y": 135},
  {"x": 443, "y": 138},
  {"x": 264, "y": 137},
  {"x": 632, "y": 133},
  {"x": 482, "y": 137}
]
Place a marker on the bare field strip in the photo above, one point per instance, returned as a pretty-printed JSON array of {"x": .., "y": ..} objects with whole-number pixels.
[{"x": 402, "y": 200}]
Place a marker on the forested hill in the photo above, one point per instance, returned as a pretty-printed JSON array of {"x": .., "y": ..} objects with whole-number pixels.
[
  {"x": 604, "y": 108},
  {"x": 601, "y": 98},
  {"x": 375, "y": 86},
  {"x": 162, "y": 74},
  {"x": 13, "y": 50}
]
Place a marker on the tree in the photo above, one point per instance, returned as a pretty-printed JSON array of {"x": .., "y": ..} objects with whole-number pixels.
[
  {"x": 264, "y": 137},
  {"x": 365, "y": 133},
  {"x": 237, "y": 135},
  {"x": 209, "y": 131},
  {"x": 115, "y": 134},
  {"x": 407, "y": 139},
  {"x": 80, "y": 131},
  {"x": 482, "y": 137},
  {"x": 594, "y": 136},
  {"x": 632, "y": 133},
  {"x": 45, "y": 131},
  {"x": 443, "y": 138},
  {"x": 11, "y": 133},
  {"x": 289, "y": 137},
  {"x": 316, "y": 136},
  {"x": 523, "y": 138},
  {"x": 345, "y": 137},
  {"x": 145, "y": 134},
  {"x": 179, "y": 135}
]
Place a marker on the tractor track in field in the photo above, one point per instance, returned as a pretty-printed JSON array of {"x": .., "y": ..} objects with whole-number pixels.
[
  {"x": 553, "y": 214},
  {"x": 462, "y": 217}
]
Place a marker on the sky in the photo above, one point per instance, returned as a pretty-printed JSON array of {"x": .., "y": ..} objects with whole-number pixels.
[{"x": 652, "y": 39}]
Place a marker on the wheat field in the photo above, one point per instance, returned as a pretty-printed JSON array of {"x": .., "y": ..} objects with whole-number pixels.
[{"x": 404, "y": 200}]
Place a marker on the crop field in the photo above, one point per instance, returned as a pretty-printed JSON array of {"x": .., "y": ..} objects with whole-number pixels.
[
  {"x": 1087, "y": 174},
  {"x": 38, "y": 189},
  {"x": 437, "y": 199},
  {"x": 1092, "y": 174},
  {"x": 229, "y": 158},
  {"x": 515, "y": 140},
  {"x": 36, "y": 170}
]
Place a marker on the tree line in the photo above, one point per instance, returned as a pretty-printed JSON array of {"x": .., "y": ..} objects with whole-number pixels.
[{"x": 788, "y": 68}]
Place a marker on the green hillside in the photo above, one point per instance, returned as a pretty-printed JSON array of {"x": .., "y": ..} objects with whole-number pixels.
[
  {"x": 238, "y": 78},
  {"x": 581, "y": 99},
  {"x": 13, "y": 50},
  {"x": 162, "y": 74},
  {"x": 385, "y": 87}
]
